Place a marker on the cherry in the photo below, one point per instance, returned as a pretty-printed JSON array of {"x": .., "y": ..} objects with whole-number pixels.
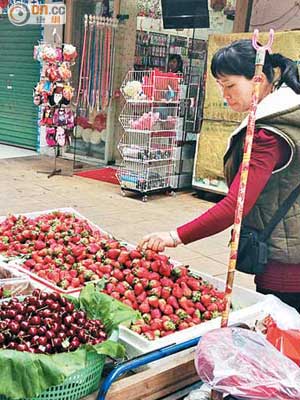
[
  {"x": 42, "y": 341},
  {"x": 2, "y": 338},
  {"x": 36, "y": 320},
  {"x": 14, "y": 327},
  {"x": 32, "y": 331},
  {"x": 68, "y": 320},
  {"x": 24, "y": 325}
]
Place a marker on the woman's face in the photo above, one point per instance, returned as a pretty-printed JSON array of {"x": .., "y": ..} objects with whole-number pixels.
[
  {"x": 173, "y": 65},
  {"x": 237, "y": 91}
]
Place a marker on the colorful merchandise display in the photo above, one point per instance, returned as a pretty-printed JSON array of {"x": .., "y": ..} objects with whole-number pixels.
[
  {"x": 150, "y": 119},
  {"x": 54, "y": 92}
]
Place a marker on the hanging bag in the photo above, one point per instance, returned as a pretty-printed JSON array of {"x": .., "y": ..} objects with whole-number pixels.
[{"x": 252, "y": 255}]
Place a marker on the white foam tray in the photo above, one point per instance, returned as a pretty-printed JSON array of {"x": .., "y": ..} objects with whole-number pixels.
[
  {"x": 17, "y": 261},
  {"x": 247, "y": 304}
]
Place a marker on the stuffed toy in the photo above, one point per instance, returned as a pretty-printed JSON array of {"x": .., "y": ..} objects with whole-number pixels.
[
  {"x": 50, "y": 137},
  {"x": 60, "y": 136},
  {"x": 69, "y": 53}
]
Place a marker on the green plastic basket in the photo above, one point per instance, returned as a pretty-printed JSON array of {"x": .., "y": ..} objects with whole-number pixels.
[{"x": 77, "y": 385}]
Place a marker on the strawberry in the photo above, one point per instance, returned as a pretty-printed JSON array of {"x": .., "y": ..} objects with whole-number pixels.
[
  {"x": 129, "y": 278},
  {"x": 196, "y": 296},
  {"x": 193, "y": 283},
  {"x": 207, "y": 315},
  {"x": 183, "y": 325},
  {"x": 165, "y": 292},
  {"x": 199, "y": 306},
  {"x": 212, "y": 307},
  {"x": 181, "y": 313},
  {"x": 113, "y": 253},
  {"x": 147, "y": 318},
  {"x": 173, "y": 302},
  {"x": 116, "y": 295},
  {"x": 138, "y": 288},
  {"x": 154, "y": 276},
  {"x": 165, "y": 269},
  {"x": 162, "y": 304},
  {"x": 153, "y": 301},
  {"x": 123, "y": 257},
  {"x": 155, "y": 324},
  {"x": 206, "y": 300},
  {"x": 75, "y": 283},
  {"x": 135, "y": 254},
  {"x": 150, "y": 255},
  {"x": 127, "y": 302},
  {"x": 136, "y": 328},
  {"x": 155, "y": 291},
  {"x": 166, "y": 282},
  {"x": 155, "y": 313},
  {"x": 144, "y": 307},
  {"x": 93, "y": 248},
  {"x": 187, "y": 292},
  {"x": 141, "y": 297},
  {"x": 177, "y": 291},
  {"x": 153, "y": 283},
  {"x": 118, "y": 274},
  {"x": 168, "y": 309},
  {"x": 169, "y": 326},
  {"x": 120, "y": 288},
  {"x": 179, "y": 272},
  {"x": 155, "y": 265},
  {"x": 129, "y": 294},
  {"x": 149, "y": 335}
]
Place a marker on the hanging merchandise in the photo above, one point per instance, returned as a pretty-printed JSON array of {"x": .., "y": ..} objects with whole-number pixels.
[
  {"x": 54, "y": 94},
  {"x": 95, "y": 87}
]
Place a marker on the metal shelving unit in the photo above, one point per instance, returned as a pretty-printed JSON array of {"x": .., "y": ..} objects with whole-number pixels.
[{"x": 150, "y": 122}]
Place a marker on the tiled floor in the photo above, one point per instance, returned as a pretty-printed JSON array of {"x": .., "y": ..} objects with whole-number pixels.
[{"x": 23, "y": 190}]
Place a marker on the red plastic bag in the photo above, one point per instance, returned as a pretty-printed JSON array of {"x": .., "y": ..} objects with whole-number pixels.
[
  {"x": 286, "y": 341},
  {"x": 244, "y": 364}
]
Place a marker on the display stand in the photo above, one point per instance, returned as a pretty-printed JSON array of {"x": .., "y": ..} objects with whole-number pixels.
[
  {"x": 55, "y": 171},
  {"x": 150, "y": 121},
  {"x": 54, "y": 94}
]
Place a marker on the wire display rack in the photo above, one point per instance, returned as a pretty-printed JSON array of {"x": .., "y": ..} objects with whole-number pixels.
[{"x": 150, "y": 119}]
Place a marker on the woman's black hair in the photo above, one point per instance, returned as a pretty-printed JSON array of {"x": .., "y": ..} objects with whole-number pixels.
[
  {"x": 238, "y": 58},
  {"x": 178, "y": 58}
]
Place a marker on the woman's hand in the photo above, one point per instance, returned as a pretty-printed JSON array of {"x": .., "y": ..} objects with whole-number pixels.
[{"x": 158, "y": 241}]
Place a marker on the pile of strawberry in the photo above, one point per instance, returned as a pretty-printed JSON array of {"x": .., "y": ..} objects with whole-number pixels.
[
  {"x": 67, "y": 251},
  {"x": 169, "y": 298},
  {"x": 58, "y": 247}
]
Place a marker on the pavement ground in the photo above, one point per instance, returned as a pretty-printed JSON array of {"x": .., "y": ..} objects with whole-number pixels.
[{"x": 23, "y": 189}]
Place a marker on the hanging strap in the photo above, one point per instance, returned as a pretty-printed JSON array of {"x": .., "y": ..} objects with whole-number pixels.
[{"x": 280, "y": 213}]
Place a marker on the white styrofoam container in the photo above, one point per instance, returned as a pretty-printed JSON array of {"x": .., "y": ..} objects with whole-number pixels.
[
  {"x": 247, "y": 305},
  {"x": 17, "y": 261}
]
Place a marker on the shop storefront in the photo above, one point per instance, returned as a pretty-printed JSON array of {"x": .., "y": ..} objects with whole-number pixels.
[{"x": 18, "y": 75}]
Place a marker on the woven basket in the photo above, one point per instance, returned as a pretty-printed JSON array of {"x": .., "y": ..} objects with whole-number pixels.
[{"x": 77, "y": 385}]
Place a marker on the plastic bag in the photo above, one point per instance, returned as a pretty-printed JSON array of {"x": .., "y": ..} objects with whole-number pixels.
[
  {"x": 285, "y": 316},
  {"x": 244, "y": 364},
  {"x": 286, "y": 341}
]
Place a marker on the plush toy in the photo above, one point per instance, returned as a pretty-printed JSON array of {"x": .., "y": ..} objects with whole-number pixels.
[
  {"x": 50, "y": 137},
  {"x": 60, "y": 136},
  {"x": 133, "y": 90},
  {"x": 86, "y": 135},
  {"x": 51, "y": 73},
  {"x": 100, "y": 122},
  {"x": 69, "y": 53},
  {"x": 68, "y": 92},
  {"x": 95, "y": 137},
  {"x": 64, "y": 72},
  {"x": 48, "y": 53}
]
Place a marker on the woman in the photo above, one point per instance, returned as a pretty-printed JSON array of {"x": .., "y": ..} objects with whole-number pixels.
[
  {"x": 274, "y": 168},
  {"x": 175, "y": 63}
]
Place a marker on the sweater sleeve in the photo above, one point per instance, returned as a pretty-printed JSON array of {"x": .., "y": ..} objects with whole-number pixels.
[{"x": 268, "y": 151}]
